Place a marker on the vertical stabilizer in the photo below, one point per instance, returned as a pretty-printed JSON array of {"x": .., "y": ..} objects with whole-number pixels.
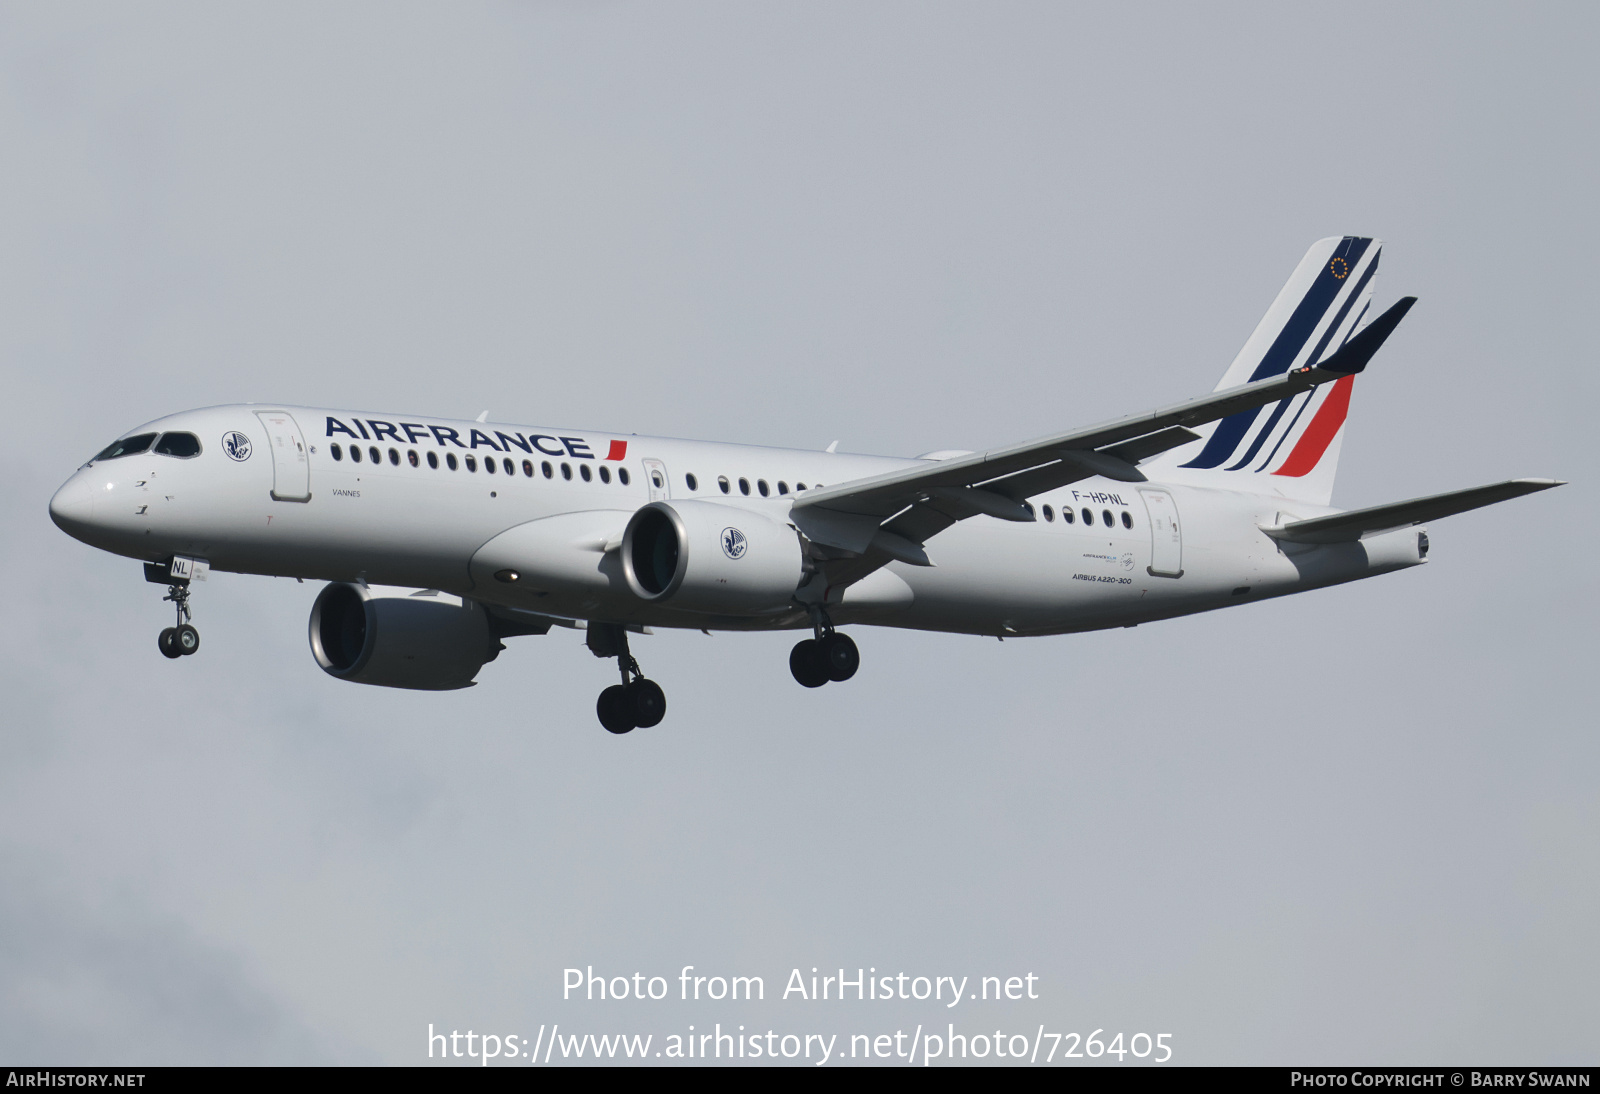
[{"x": 1289, "y": 449}]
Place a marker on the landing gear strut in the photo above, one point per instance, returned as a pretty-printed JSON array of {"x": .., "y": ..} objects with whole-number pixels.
[
  {"x": 636, "y": 703},
  {"x": 827, "y": 656},
  {"x": 182, "y": 639}
]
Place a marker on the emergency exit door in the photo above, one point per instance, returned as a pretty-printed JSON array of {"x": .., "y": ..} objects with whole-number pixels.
[{"x": 655, "y": 474}]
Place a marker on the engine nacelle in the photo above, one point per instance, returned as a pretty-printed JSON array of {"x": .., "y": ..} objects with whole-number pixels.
[
  {"x": 704, "y": 557},
  {"x": 400, "y": 638}
]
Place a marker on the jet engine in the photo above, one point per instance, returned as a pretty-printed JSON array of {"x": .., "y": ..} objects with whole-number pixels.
[
  {"x": 400, "y": 638},
  {"x": 701, "y": 556}
]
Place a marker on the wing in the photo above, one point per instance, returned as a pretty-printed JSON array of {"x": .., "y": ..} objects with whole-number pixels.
[{"x": 890, "y": 516}]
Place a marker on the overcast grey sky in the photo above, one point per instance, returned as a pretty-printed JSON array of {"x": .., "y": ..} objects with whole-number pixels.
[{"x": 1356, "y": 826}]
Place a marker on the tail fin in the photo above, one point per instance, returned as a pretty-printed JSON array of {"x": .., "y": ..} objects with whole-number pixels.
[{"x": 1289, "y": 449}]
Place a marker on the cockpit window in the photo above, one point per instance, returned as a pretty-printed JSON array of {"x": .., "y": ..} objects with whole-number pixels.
[
  {"x": 128, "y": 446},
  {"x": 181, "y": 445}
]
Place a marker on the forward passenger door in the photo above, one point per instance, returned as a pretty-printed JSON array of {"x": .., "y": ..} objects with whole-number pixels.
[{"x": 291, "y": 469}]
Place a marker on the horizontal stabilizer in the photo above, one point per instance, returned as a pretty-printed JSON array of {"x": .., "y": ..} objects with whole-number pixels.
[{"x": 1347, "y": 527}]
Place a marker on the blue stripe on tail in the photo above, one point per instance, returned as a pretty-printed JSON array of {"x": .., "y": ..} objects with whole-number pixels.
[
  {"x": 1285, "y": 348},
  {"x": 1316, "y": 355}
]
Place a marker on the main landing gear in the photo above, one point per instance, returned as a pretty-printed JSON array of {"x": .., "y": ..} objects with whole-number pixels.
[
  {"x": 828, "y": 656},
  {"x": 636, "y": 703},
  {"x": 182, "y": 639}
]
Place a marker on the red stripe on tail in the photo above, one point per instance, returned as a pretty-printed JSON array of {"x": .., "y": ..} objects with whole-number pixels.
[{"x": 1320, "y": 433}]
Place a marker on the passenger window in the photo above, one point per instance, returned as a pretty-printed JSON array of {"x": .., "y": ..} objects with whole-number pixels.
[
  {"x": 1028, "y": 505},
  {"x": 411, "y": 457},
  {"x": 744, "y": 487},
  {"x": 722, "y": 481},
  {"x": 488, "y": 464},
  {"x": 394, "y": 457},
  {"x": 336, "y": 452},
  {"x": 450, "y": 460},
  {"x": 433, "y": 460},
  {"x": 128, "y": 446},
  {"x": 783, "y": 487},
  {"x": 508, "y": 467},
  {"x": 527, "y": 468},
  {"x": 605, "y": 473},
  {"x": 1068, "y": 515},
  {"x": 471, "y": 462},
  {"x": 799, "y": 486},
  {"x": 1127, "y": 519},
  {"x": 761, "y": 485},
  {"x": 180, "y": 445},
  {"x": 1088, "y": 517},
  {"x": 374, "y": 455},
  {"x": 1049, "y": 513},
  {"x": 622, "y": 475},
  {"x": 355, "y": 454},
  {"x": 691, "y": 482},
  {"x": 1105, "y": 515},
  {"x": 583, "y": 469},
  {"x": 549, "y": 472},
  {"x": 566, "y": 471}
]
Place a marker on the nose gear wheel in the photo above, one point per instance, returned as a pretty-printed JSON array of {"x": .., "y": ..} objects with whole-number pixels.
[{"x": 182, "y": 639}]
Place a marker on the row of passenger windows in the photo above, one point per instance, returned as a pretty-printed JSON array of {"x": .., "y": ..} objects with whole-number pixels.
[
  {"x": 1069, "y": 517},
  {"x": 375, "y": 455},
  {"x": 181, "y": 446},
  {"x": 693, "y": 483}
]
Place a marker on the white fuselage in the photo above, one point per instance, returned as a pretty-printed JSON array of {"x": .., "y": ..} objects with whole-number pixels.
[{"x": 400, "y": 520}]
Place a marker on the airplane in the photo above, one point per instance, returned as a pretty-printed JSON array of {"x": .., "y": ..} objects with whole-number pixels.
[{"x": 441, "y": 538}]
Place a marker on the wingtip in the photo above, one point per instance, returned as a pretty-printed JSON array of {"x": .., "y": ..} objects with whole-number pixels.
[{"x": 1353, "y": 356}]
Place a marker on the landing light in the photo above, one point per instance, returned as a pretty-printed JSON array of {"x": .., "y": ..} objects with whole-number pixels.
[{"x": 510, "y": 577}]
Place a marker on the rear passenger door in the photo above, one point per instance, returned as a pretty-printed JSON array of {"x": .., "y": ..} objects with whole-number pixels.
[{"x": 1166, "y": 538}]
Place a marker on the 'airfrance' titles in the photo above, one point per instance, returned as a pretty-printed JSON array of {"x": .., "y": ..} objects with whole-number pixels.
[{"x": 441, "y": 435}]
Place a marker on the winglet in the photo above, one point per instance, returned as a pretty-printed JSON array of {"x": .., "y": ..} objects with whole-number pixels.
[{"x": 1353, "y": 356}]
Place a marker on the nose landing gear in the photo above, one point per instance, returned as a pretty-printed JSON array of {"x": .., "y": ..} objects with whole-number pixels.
[
  {"x": 636, "y": 703},
  {"x": 828, "y": 656},
  {"x": 181, "y": 639}
]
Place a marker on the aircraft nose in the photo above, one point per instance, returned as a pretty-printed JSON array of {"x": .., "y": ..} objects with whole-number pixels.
[{"x": 72, "y": 508}]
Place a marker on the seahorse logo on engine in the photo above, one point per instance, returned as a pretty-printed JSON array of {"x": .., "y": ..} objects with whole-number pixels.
[{"x": 734, "y": 543}]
